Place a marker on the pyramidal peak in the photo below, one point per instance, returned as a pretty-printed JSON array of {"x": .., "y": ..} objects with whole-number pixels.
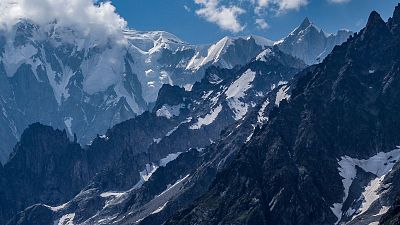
[
  {"x": 375, "y": 24},
  {"x": 297, "y": 43},
  {"x": 306, "y": 23}
]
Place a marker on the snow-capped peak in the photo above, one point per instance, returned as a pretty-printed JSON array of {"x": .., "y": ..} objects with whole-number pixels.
[
  {"x": 306, "y": 26},
  {"x": 146, "y": 41},
  {"x": 214, "y": 53},
  {"x": 310, "y": 43}
]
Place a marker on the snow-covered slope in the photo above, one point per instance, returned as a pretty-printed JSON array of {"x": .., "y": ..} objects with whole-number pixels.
[{"x": 85, "y": 84}]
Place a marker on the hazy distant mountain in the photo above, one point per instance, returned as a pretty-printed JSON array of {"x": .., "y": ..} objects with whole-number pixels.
[{"x": 310, "y": 43}]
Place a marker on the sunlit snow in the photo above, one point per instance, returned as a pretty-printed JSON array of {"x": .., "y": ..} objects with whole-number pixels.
[
  {"x": 236, "y": 92},
  {"x": 207, "y": 119},
  {"x": 379, "y": 165}
]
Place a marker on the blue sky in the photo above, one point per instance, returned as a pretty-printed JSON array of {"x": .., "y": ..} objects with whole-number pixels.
[{"x": 205, "y": 21}]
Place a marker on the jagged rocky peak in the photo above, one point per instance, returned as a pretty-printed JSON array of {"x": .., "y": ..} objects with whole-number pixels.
[
  {"x": 305, "y": 24},
  {"x": 41, "y": 147},
  {"x": 37, "y": 140},
  {"x": 170, "y": 95},
  {"x": 228, "y": 52},
  {"x": 376, "y": 31},
  {"x": 375, "y": 22},
  {"x": 310, "y": 43},
  {"x": 394, "y": 22}
]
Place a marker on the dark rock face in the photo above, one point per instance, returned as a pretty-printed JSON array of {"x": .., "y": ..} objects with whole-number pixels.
[
  {"x": 34, "y": 215},
  {"x": 288, "y": 173},
  {"x": 392, "y": 217},
  {"x": 45, "y": 167}
]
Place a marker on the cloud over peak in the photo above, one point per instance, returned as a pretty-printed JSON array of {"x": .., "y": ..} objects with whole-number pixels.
[{"x": 81, "y": 14}]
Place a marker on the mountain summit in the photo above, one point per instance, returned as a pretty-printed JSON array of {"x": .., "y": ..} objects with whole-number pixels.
[{"x": 311, "y": 44}]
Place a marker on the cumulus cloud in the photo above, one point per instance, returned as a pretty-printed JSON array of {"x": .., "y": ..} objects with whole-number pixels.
[
  {"x": 82, "y": 14},
  {"x": 280, "y": 5},
  {"x": 226, "y": 17},
  {"x": 226, "y": 13}
]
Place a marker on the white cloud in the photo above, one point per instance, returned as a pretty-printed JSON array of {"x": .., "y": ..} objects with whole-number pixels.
[
  {"x": 280, "y": 5},
  {"x": 262, "y": 24},
  {"x": 339, "y": 1},
  {"x": 226, "y": 13},
  {"x": 226, "y": 17},
  {"x": 82, "y": 14}
]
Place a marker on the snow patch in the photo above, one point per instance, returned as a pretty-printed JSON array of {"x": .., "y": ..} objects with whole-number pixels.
[
  {"x": 251, "y": 134},
  {"x": 111, "y": 194},
  {"x": 263, "y": 55},
  {"x": 176, "y": 128},
  {"x": 168, "y": 111},
  {"x": 68, "y": 125},
  {"x": 207, "y": 119},
  {"x": 105, "y": 137},
  {"x": 159, "y": 209},
  {"x": 57, "y": 208},
  {"x": 261, "y": 118},
  {"x": 241, "y": 85},
  {"x": 237, "y": 91},
  {"x": 370, "y": 194},
  {"x": 172, "y": 186},
  {"x": 148, "y": 172},
  {"x": 282, "y": 94},
  {"x": 67, "y": 219},
  {"x": 188, "y": 87},
  {"x": 206, "y": 95},
  {"x": 156, "y": 140},
  {"x": 169, "y": 158}
]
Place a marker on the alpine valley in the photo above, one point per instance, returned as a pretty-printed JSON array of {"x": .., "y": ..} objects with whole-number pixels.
[{"x": 144, "y": 128}]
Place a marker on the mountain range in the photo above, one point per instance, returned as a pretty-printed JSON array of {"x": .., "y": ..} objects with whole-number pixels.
[
  {"x": 84, "y": 84},
  {"x": 244, "y": 131}
]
